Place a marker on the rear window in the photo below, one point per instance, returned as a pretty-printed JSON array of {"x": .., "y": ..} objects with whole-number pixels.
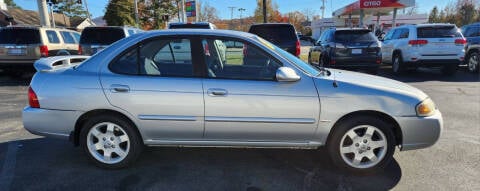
[
  {"x": 275, "y": 33},
  {"x": 103, "y": 36},
  {"x": 189, "y": 26},
  {"x": 438, "y": 32},
  {"x": 354, "y": 36},
  {"x": 67, "y": 37},
  {"x": 19, "y": 36}
]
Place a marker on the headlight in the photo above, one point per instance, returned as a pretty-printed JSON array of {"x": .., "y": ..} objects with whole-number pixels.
[{"x": 425, "y": 108}]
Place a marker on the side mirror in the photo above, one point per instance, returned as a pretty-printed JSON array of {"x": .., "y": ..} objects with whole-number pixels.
[{"x": 286, "y": 74}]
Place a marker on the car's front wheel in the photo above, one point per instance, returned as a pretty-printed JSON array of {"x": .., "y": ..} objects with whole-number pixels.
[
  {"x": 397, "y": 64},
  {"x": 110, "y": 141},
  {"x": 362, "y": 144},
  {"x": 473, "y": 62}
]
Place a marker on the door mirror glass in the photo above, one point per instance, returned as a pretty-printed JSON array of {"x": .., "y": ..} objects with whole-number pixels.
[{"x": 286, "y": 74}]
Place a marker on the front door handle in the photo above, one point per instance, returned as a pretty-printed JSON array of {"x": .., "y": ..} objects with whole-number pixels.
[
  {"x": 217, "y": 92},
  {"x": 118, "y": 88}
]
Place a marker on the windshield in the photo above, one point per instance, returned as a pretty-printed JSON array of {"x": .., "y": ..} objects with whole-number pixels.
[
  {"x": 19, "y": 36},
  {"x": 290, "y": 57},
  {"x": 354, "y": 36}
]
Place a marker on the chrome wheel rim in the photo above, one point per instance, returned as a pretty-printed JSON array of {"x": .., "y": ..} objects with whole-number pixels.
[
  {"x": 108, "y": 143},
  {"x": 363, "y": 146},
  {"x": 473, "y": 63},
  {"x": 396, "y": 64}
]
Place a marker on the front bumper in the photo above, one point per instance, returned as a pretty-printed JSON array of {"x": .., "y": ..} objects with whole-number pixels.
[
  {"x": 420, "y": 132},
  {"x": 49, "y": 123}
]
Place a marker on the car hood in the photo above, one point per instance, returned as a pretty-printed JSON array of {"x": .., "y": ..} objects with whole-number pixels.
[{"x": 348, "y": 78}]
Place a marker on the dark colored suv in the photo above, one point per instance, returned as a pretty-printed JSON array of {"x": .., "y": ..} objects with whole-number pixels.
[
  {"x": 281, "y": 34},
  {"x": 348, "y": 48},
  {"x": 472, "y": 49},
  {"x": 95, "y": 39}
]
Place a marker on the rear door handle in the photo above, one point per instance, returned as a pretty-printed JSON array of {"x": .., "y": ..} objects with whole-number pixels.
[
  {"x": 118, "y": 88},
  {"x": 217, "y": 92}
]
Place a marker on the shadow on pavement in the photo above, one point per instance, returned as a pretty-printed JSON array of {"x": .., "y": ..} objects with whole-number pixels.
[
  {"x": 428, "y": 74},
  {"x": 48, "y": 164}
]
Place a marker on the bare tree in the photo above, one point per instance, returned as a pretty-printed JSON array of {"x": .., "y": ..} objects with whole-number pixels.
[
  {"x": 206, "y": 12},
  {"x": 309, "y": 13}
]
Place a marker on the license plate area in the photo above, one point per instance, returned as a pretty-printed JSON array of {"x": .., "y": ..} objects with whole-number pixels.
[
  {"x": 16, "y": 51},
  {"x": 356, "y": 51}
]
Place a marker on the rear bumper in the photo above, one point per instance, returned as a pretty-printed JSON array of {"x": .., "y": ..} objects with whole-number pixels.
[
  {"x": 420, "y": 132},
  {"x": 369, "y": 62},
  {"x": 433, "y": 63},
  {"x": 49, "y": 123}
]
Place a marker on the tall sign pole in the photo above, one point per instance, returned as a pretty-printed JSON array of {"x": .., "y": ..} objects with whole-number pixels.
[
  {"x": 264, "y": 11},
  {"x": 135, "y": 5},
  {"x": 43, "y": 13}
]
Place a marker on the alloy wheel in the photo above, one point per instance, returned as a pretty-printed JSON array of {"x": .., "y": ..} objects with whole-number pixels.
[
  {"x": 473, "y": 63},
  {"x": 108, "y": 143},
  {"x": 363, "y": 146}
]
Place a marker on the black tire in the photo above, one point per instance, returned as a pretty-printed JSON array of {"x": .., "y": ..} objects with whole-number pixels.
[
  {"x": 449, "y": 69},
  {"x": 473, "y": 62},
  {"x": 398, "y": 67},
  {"x": 135, "y": 147},
  {"x": 335, "y": 138}
]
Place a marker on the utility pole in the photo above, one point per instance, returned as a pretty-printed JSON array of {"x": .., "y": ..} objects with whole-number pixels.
[
  {"x": 231, "y": 16},
  {"x": 86, "y": 9},
  {"x": 323, "y": 8},
  {"x": 264, "y": 11},
  {"x": 135, "y": 5},
  {"x": 50, "y": 4},
  {"x": 241, "y": 18}
]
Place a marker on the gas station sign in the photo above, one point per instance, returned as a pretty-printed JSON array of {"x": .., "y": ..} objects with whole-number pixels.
[
  {"x": 365, "y": 4},
  {"x": 191, "y": 8}
]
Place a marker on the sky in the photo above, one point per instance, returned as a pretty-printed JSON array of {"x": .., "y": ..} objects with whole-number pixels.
[{"x": 97, "y": 7}]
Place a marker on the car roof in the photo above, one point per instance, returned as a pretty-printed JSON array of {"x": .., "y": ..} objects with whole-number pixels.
[
  {"x": 271, "y": 24},
  {"x": 199, "y": 32},
  {"x": 434, "y": 24},
  {"x": 351, "y": 29}
]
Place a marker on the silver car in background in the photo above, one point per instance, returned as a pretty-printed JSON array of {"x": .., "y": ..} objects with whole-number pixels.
[{"x": 145, "y": 90}]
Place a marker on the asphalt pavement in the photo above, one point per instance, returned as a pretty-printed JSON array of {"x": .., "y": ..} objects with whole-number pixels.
[{"x": 29, "y": 162}]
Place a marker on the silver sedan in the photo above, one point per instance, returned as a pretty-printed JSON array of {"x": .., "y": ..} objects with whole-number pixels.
[{"x": 219, "y": 88}]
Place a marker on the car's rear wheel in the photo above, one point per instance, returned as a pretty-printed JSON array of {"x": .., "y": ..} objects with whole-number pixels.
[
  {"x": 362, "y": 144},
  {"x": 397, "y": 64},
  {"x": 473, "y": 62},
  {"x": 110, "y": 141}
]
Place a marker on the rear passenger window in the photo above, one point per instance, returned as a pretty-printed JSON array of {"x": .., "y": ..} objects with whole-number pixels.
[
  {"x": 166, "y": 58},
  {"x": 52, "y": 37},
  {"x": 67, "y": 37}
]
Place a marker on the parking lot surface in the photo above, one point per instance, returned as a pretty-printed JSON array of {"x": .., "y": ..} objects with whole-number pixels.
[{"x": 29, "y": 162}]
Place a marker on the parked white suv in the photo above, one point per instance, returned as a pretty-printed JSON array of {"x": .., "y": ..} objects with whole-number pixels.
[{"x": 424, "y": 45}]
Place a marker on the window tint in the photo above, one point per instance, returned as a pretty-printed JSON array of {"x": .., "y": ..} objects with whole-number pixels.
[
  {"x": 472, "y": 32},
  {"x": 242, "y": 61},
  {"x": 67, "y": 37},
  {"x": 354, "y": 36},
  {"x": 126, "y": 64},
  {"x": 101, "y": 35},
  {"x": 166, "y": 58},
  {"x": 19, "y": 36},
  {"x": 76, "y": 36},
  {"x": 438, "y": 32},
  {"x": 276, "y": 34},
  {"x": 403, "y": 33},
  {"x": 52, "y": 37}
]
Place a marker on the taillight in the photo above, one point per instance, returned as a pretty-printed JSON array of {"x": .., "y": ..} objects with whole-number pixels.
[
  {"x": 44, "y": 51},
  {"x": 378, "y": 61},
  {"x": 297, "y": 47},
  {"x": 80, "y": 51},
  {"x": 417, "y": 42},
  {"x": 32, "y": 98},
  {"x": 333, "y": 61},
  {"x": 460, "y": 41}
]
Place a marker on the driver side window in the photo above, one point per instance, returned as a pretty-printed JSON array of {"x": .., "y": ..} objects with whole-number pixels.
[{"x": 234, "y": 59}]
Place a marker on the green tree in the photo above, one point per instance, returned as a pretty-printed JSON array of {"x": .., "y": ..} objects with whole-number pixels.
[
  {"x": 71, "y": 8},
  {"x": 272, "y": 11},
  {"x": 151, "y": 13},
  {"x": 434, "y": 17},
  {"x": 119, "y": 13},
  {"x": 11, "y": 3}
]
